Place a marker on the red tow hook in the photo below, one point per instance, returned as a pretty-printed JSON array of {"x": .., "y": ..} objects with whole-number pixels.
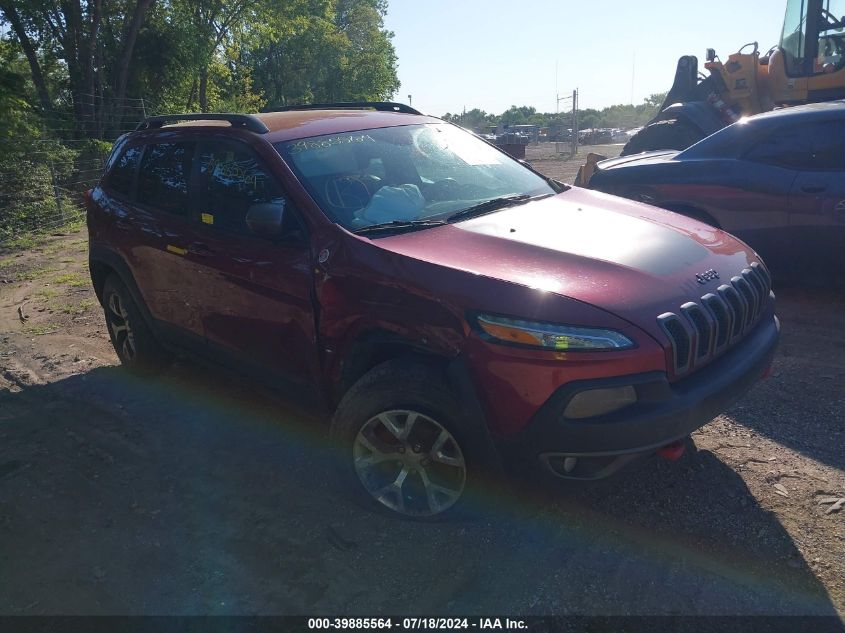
[{"x": 672, "y": 451}]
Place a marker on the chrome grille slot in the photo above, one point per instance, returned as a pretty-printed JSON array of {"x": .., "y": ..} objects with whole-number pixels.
[
  {"x": 703, "y": 329},
  {"x": 744, "y": 289},
  {"x": 737, "y": 307},
  {"x": 679, "y": 338},
  {"x": 764, "y": 276},
  {"x": 721, "y": 315},
  {"x": 759, "y": 290},
  {"x": 709, "y": 326}
]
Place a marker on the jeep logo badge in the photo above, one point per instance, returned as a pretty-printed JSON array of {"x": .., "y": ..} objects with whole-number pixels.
[{"x": 707, "y": 275}]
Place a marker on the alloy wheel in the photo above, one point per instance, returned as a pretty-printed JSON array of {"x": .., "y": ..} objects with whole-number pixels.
[
  {"x": 410, "y": 463},
  {"x": 118, "y": 322}
]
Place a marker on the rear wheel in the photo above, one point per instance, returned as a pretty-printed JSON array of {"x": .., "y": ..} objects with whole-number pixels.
[
  {"x": 671, "y": 134},
  {"x": 133, "y": 341},
  {"x": 401, "y": 444}
]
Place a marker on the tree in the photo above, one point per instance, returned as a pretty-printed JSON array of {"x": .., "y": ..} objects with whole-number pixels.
[
  {"x": 195, "y": 54},
  {"x": 517, "y": 115},
  {"x": 78, "y": 34},
  {"x": 655, "y": 100},
  {"x": 337, "y": 51}
]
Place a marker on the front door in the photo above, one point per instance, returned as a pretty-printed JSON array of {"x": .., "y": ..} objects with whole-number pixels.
[{"x": 254, "y": 294}]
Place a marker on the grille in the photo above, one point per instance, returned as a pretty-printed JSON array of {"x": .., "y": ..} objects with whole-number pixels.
[{"x": 701, "y": 330}]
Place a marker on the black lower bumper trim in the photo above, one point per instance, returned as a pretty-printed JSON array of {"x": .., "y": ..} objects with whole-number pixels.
[{"x": 664, "y": 411}]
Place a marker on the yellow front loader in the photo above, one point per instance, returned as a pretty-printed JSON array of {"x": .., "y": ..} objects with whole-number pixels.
[{"x": 807, "y": 66}]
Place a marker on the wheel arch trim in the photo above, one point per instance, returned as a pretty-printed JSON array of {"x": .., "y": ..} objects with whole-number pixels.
[{"x": 101, "y": 257}]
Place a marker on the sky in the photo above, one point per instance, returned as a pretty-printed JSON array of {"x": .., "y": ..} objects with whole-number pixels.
[{"x": 493, "y": 54}]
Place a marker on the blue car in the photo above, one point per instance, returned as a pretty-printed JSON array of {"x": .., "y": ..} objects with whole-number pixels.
[{"x": 775, "y": 180}]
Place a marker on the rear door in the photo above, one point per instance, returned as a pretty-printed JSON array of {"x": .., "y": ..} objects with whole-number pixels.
[
  {"x": 254, "y": 294},
  {"x": 159, "y": 225}
]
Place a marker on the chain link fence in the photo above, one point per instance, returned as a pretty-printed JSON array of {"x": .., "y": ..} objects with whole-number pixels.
[{"x": 43, "y": 180}]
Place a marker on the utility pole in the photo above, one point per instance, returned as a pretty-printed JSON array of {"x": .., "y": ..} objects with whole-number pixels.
[
  {"x": 410, "y": 101},
  {"x": 574, "y": 140},
  {"x": 575, "y": 121},
  {"x": 633, "y": 71}
]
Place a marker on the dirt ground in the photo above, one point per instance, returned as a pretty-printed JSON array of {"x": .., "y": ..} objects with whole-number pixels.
[{"x": 192, "y": 493}]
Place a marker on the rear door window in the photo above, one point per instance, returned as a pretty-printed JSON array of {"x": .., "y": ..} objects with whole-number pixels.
[
  {"x": 827, "y": 145},
  {"x": 163, "y": 177},
  {"x": 787, "y": 147},
  {"x": 231, "y": 179},
  {"x": 816, "y": 146},
  {"x": 123, "y": 171}
]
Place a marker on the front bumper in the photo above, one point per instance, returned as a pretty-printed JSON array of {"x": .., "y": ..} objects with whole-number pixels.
[{"x": 664, "y": 411}]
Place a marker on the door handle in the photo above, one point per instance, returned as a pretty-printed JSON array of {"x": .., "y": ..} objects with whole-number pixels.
[
  {"x": 198, "y": 248},
  {"x": 813, "y": 188}
]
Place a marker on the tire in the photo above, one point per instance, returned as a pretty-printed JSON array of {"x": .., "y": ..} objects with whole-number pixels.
[
  {"x": 670, "y": 134},
  {"x": 133, "y": 341},
  {"x": 401, "y": 443}
]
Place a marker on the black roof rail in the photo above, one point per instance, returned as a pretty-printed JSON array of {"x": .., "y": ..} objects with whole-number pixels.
[
  {"x": 248, "y": 121},
  {"x": 381, "y": 106}
]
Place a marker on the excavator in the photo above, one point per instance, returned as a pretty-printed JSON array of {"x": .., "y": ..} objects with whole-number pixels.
[{"x": 807, "y": 66}]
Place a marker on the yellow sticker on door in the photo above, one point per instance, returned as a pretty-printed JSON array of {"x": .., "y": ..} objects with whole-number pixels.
[{"x": 207, "y": 218}]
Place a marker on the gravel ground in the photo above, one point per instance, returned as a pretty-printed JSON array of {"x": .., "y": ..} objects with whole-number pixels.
[{"x": 192, "y": 493}]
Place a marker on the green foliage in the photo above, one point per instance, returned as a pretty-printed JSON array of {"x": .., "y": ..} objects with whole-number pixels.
[
  {"x": 617, "y": 116},
  {"x": 189, "y": 55},
  {"x": 338, "y": 51},
  {"x": 75, "y": 75}
]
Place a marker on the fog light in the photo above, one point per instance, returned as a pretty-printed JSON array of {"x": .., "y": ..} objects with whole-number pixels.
[{"x": 593, "y": 402}]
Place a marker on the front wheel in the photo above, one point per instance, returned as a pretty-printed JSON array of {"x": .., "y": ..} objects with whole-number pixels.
[{"x": 401, "y": 443}]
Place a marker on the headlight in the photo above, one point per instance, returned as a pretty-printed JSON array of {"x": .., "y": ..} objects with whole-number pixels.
[{"x": 551, "y": 336}]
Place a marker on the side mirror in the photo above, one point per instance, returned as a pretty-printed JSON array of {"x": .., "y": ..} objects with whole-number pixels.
[
  {"x": 710, "y": 55},
  {"x": 266, "y": 218}
]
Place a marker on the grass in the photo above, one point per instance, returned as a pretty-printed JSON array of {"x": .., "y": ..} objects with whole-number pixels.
[
  {"x": 36, "y": 239},
  {"x": 24, "y": 242},
  {"x": 47, "y": 293},
  {"x": 73, "y": 280},
  {"x": 37, "y": 273},
  {"x": 73, "y": 308},
  {"x": 79, "y": 246},
  {"x": 9, "y": 261},
  {"x": 55, "y": 247},
  {"x": 40, "y": 330}
]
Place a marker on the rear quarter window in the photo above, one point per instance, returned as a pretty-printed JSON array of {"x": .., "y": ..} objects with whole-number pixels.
[{"x": 122, "y": 173}]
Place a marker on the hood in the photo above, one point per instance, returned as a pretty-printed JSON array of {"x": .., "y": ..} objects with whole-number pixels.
[
  {"x": 630, "y": 259},
  {"x": 644, "y": 158}
]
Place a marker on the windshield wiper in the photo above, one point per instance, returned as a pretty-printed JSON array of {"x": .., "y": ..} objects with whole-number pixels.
[
  {"x": 397, "y": 225},
  {"x": 494, "y": 205}
]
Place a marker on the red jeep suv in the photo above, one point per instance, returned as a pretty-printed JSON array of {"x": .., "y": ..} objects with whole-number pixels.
[{"x": 456, "y": 309}]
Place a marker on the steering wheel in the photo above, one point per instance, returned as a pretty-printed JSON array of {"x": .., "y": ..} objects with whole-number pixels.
[{"x": 347, "y": 193}]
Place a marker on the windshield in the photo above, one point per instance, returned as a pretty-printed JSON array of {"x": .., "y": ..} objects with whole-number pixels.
[{"x": 405, "y": 174}]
